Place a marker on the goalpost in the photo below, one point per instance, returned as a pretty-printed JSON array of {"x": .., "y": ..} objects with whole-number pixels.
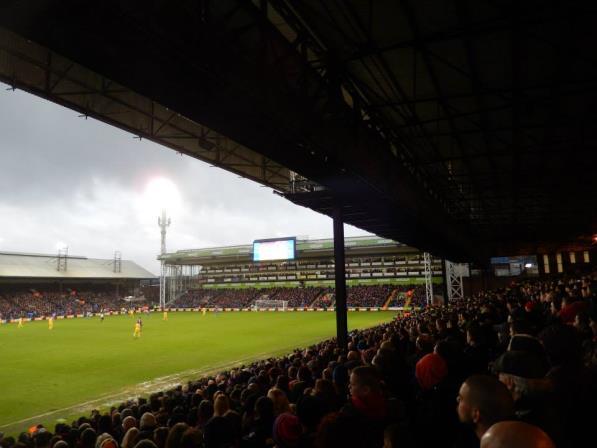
[{"x": 267, "y": 304}]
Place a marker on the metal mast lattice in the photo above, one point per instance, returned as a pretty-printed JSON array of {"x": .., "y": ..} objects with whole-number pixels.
[
  {"x": 454, "y": 279},
  {"x": 62, "y": 259},
  {"x": 428, "y": 278},
  {"x": 117, "y": 262},
  {"x": 163, "y": 223}
]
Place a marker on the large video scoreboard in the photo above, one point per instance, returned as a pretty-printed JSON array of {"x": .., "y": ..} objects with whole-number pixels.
[{"x": 274, "y": 249}]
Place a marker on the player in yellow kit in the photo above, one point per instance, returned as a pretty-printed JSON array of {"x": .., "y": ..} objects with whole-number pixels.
[
  {"x": 204, "y": 311},
  {"x": 137, "y": 333},
  {"x": 20, "y": 323},
  {"x": 50, "y": 322},
  {"x": 165, "y": 315}
]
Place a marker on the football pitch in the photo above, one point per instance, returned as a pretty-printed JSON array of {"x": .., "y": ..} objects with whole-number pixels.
[{"x": 84, "y": 364}]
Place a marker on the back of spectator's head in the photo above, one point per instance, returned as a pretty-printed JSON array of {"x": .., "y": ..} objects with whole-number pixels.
[
  {"x": 483, "y": 401},
  {"x": 287, "y": 430},
  {"x": 475, "y": 334},
  {"x": 519, "y": 326},
  {"x": 513, "y": 434},
  {"x": 338, "y": 430},
  {"x": 130, "y": 438},
  {"x": 310, "y": 410},
  {"x": 147, "y": 421},
  {"x": 280, "y": 401},
  {"x": 175, "y": 435},
  {"x": 88, "y": 438},
  {"x": 398, "y": 436},
  {"x": 128, "y": 423},
  {"x": 204, "y": 412},
  {"x": 340, "y": 375},
  {"x": 430, "y": 370},
  {"x": 221, "y": 405},
  {"x": 105, "y": 440},
  {"x": 145, "y": 443},
  {"x": 191, "y": 438},
  {"x": 424, "y": 343},
  {"x": 9, "y": 442},
  {"x": 160, "y": 435},
  {"x": 234, "y": 420},
  {"x": 562, "y": 344},
  {"x": 304, "y": 374},
  {"x": 42, "y": 438},
  {"x": 264, "y": 407}
]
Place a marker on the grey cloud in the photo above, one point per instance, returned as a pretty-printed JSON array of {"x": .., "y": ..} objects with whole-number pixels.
[{"x": 63, "y": 178}]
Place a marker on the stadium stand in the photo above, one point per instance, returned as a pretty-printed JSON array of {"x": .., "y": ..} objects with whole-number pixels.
[
  {"x": 405, "y": 294},
  {"x": 527, "y": 354},
  {"x": 370, "y": 261},
  {"x": 369, "y": 296},
  {"x": 296, "y": 297},
  {"x": 37, "y": 285},
  {"x": 216, "y": 298},
  {"x": 34, "y": 304}
]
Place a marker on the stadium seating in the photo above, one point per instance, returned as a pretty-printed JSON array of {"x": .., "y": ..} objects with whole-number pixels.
[
  {"x": 397, "y": 382},
  {"x": 357, "y": 296},
  {"x": 296, "y": 297},
  {"x": 33, "y": 303},
  {"x": 368, "y": 296},
  {"x": 417, "y": 299}
]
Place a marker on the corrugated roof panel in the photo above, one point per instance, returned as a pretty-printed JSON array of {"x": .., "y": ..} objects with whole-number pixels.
[{"x": 45, "y": 266}]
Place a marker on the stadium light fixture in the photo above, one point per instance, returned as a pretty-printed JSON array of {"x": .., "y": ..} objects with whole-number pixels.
[{"x": 161, "y": 193}]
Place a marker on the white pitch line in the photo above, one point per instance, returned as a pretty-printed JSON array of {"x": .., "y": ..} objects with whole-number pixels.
[{"x": 154, "y": 385}]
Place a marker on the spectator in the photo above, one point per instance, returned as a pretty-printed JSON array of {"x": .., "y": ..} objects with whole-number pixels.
[
  {"x": 513, "y": 434},
  {"x": 483, "y": 401},
  {"x": 523, "y": 373}
]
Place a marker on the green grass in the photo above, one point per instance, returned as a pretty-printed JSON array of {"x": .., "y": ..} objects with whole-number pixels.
[{"x": 84, "y": 363}]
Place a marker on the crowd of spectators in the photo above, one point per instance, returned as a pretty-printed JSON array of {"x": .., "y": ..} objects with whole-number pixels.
[
  {"x": 415, "y": 295},
  {"x": 368, "y": 296},
  {"x": 296, "y": 297},
  {"x": 326, "y": 299},
  {"x": 33, "y": 303},
  {"x": 357, "y": 296},
  {"x": 217, "y": 298},
  {"x": 513, "y": 367}
]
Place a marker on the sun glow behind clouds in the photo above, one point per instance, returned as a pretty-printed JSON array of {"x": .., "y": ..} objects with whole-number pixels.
[{"x": 161, "y": 193}]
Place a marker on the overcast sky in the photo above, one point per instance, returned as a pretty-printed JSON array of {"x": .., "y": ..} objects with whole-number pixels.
[{"x": 84, "y": 184}]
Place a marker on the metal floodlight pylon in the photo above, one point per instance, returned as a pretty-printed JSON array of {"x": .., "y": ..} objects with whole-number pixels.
[
  {"x": 454, "y": 272},
  {"x": 62, "y": 260},
  {"x": 428, "y": 277},
  {"x": 117, "y": 262},
  {"x": 163, "y": 222}
]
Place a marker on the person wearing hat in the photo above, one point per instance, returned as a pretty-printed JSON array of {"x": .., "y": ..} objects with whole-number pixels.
[
  {"x": 430, "y": 370},
  {"x": 523, "y": 373},
  {"x": 287, "y": 430}
]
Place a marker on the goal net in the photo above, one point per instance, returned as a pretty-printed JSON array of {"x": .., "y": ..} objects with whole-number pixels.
[{"x": 266, "y": 304}]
